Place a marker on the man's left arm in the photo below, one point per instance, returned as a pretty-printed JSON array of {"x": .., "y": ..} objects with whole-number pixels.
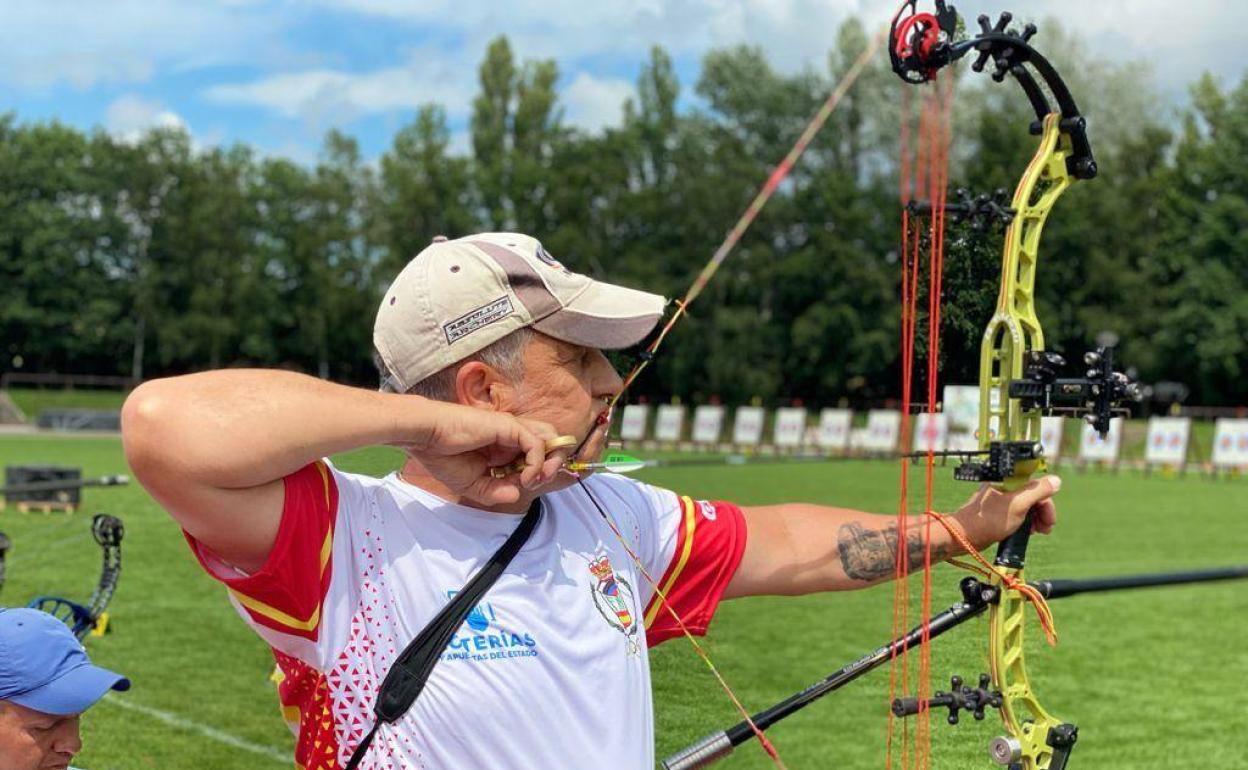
[{"x": 799, "y": 548}]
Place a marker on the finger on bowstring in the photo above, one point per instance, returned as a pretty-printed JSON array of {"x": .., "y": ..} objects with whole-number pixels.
[
  {"x": 495, "y": 491},
  {"x": 531, "y": 476},
  {"x": 554, "y": 461},
  {"x": 558, "y": 450},
  {"x": 554, "y": 450},
  {"x": 533, "y": 446}
]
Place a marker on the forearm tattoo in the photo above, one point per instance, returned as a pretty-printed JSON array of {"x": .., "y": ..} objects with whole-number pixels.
[{"x": 870, "y": 554}]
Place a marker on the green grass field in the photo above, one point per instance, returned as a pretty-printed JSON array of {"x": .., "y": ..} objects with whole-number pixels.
[
  {"x": 1154, "y": 679},
  {"x": 32, "y": 401}
]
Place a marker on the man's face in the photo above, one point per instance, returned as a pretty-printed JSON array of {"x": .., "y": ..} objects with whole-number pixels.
[
  {"x": 569, "y": 387},
  {"x": 33, "y": 740}
]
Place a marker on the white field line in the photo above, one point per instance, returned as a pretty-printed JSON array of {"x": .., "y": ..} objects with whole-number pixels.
[{"x": 219, "y": 736}]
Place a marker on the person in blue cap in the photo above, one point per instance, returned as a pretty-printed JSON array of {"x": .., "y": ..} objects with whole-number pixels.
[{"x": 46, "y": 682}]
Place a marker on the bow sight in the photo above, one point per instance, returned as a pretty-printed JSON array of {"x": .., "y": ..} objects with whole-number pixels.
[{"x": 1097, "y": 397}]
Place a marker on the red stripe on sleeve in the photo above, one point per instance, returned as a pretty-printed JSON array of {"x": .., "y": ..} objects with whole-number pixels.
[
  {"x": 709, "y": 544},
  {"x": 286, "y": 593}
]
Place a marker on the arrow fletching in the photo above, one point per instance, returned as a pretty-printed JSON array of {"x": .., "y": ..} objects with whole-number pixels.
[{"x": 614, "y": 462}]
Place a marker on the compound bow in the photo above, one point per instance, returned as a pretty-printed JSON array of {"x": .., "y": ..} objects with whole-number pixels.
[
  {"x": 1019, "y": 382},
  {"x": 83, "y": 618}
]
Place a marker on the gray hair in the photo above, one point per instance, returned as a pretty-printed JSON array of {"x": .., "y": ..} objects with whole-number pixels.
[{"x": 506, "y": 356}]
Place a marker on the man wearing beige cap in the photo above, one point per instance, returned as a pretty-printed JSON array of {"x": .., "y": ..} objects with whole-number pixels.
[{"x": 490, "y": 353}]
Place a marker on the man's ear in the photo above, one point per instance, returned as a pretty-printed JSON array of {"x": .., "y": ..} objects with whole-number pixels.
[{"x": 478, "y": 385}]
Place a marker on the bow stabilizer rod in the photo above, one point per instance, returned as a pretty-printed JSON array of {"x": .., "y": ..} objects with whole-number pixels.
[{"x": 977, "y": 596}]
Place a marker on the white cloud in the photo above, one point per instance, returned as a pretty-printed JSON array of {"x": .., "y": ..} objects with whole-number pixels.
[
  {"x": 589, "y": 40},
  {"x": 599, "y": 47},
  {"x": 1186, "y": 39},
  {"x": 130, "y": 116},
  {"x": 568, "y": 31},
  {"x": 323, "y": 97},
  {"x": 595, "y": 103},
  {"x": 84, "y": 44},
  {"x": 564, "y": 29}
]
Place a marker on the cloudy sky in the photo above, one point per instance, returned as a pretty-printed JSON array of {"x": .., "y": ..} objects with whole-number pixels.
[{"x": 277, "y": 74}]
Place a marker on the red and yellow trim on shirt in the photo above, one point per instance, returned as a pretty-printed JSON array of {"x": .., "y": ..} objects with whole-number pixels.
[
  {"x": 287, "y": 592},
  {"x": 684, "y": 548},
  {"x": 276, "y": 616},
  {"x": 710, "y": 541}
]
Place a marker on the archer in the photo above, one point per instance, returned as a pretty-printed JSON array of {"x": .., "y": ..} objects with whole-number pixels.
[{"x": 490, "y": 354}]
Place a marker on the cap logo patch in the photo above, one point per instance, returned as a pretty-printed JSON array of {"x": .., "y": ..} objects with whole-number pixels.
[
  {"x": 477, "y": 319},
  {"x": 545, "y": 257}
]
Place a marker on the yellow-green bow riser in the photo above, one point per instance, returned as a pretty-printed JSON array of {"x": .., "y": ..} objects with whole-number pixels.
[{"x": 1013, "y": 331}]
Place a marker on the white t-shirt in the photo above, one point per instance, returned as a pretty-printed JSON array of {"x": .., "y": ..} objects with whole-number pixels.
[{"x": 549, "y": 671}]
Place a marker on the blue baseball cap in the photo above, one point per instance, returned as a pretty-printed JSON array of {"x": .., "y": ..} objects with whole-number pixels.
[{"x": 43, "y": 667}]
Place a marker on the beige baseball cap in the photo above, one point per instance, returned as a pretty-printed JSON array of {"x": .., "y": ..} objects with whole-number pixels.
[{"x": 459, "y": 296}]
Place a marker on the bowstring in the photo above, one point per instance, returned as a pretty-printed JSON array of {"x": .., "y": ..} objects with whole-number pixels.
[
  {"x": 943, "y": 97},
  {"x": 923, "y": 169},
  {"x": 700, "y": 282}
]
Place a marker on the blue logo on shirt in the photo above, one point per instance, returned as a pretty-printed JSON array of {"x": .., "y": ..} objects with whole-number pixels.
[
  {"x": 483, "y": 646},
  {"x": 479, "y": 617}
]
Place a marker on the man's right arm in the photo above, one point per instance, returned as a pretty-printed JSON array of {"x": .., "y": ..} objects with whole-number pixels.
[{"x": 214, "y": 448}]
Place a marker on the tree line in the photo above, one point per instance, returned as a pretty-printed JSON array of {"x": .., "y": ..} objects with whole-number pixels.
[{"x": 151, "y": 257}]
